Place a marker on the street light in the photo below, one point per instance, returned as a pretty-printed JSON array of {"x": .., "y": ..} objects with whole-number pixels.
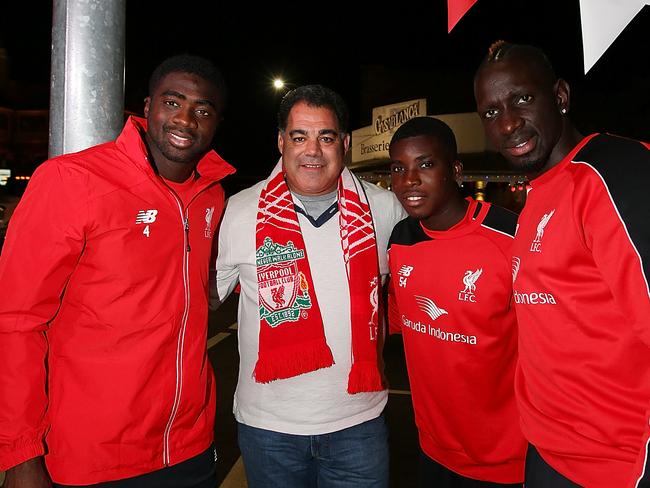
[{"x": 278, "y": 83}]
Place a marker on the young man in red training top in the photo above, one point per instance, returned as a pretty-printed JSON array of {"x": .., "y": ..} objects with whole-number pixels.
[
  {"x": 581, "y": 292},
  {"x": 451, "y": 298}
]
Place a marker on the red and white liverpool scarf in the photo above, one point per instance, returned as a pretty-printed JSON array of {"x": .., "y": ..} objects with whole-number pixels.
[{"x": 292, "y": 339}]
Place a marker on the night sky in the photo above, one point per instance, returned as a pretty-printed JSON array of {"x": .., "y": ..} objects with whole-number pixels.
[{"x": 379, "y": 56}]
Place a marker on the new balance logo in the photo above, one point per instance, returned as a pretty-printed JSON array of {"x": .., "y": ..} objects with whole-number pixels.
[
  {"x": 536, "y": 245},
  {"x": 469, "y": 280},
  {"x": 403, "y": 273},
  {"x": 146, "y": 217},
  {"x": 430, "y": 308}
]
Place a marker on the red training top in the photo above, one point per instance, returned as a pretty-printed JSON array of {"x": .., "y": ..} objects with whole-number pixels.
[
  {"x": 583, "y": 379},
  {"x": 451, "y": 298}
]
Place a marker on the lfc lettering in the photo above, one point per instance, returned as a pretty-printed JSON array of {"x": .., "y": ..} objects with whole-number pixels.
[{"x": 466, "y": 297}]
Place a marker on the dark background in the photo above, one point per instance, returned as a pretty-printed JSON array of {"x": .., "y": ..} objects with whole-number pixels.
[{"x": 372, "y": 54}]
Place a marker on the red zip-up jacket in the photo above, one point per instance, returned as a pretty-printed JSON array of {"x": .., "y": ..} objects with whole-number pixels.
[{"x": 103, "y": 315}]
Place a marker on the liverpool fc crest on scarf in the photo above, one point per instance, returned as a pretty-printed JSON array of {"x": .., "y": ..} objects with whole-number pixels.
[{"x": 283, "y": 290}]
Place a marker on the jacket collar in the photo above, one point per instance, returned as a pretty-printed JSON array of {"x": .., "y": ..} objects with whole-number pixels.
[{"x": 131, "y": 142}]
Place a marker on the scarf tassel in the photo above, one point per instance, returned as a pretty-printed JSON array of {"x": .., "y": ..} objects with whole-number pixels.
[
  {"x": 365, "y": 377},
  {"x": 286, "y": 362}
]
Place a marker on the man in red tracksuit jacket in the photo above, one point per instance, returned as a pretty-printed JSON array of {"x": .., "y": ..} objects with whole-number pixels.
[
  {"x": 581, "y": 293},
  {"x": 104, "y": 279}
]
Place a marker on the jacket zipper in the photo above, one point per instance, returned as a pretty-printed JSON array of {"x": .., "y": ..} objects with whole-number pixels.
[{"x": 181, "y": 335}]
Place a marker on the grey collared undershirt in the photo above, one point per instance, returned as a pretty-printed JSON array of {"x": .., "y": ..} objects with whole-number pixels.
[{"x": 315, "y": 206}]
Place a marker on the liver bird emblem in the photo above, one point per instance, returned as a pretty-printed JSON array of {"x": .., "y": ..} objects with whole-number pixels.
[
  {"x": 278, "y": 295},
  {"x": 470, "y": 280},
  {"x": 542, "y": 224}
]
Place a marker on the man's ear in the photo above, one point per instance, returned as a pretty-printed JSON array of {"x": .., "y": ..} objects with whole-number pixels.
[
  {"x": 346, "y": 143},
  {"x": 563, "y": 95},
  {"x": 280, "y": 141},
  {"x": 147, "y": 102},
  {"x": 458, "y": 171}
]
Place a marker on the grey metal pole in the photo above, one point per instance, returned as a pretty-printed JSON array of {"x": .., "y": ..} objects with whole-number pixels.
[{"x": 87, "y": 80}]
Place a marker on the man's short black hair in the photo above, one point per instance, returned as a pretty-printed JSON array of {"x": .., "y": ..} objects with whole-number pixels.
[
  {"x": 196, "y": 65},
  {"x": 314, "y": 96},
  {"x": 428, "y": 126},
  {"x": 502, "y": 51}
]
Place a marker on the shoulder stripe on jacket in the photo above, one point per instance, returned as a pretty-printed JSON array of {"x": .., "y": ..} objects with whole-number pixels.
[
  {"x": 623, "y": 166},
  {"x": 407, "y": 232},
  {"x": 501, "y": 220},
  {"x": 632, "y": 218}
]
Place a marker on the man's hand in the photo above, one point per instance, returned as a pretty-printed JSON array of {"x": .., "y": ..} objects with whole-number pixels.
[{"x": 30, "y": 474}]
